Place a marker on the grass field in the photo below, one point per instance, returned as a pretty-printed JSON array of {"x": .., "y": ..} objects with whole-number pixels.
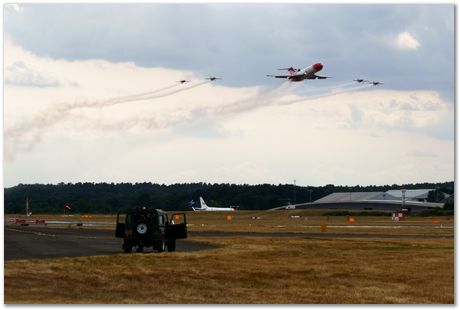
[{"x": 255, "y": 270}]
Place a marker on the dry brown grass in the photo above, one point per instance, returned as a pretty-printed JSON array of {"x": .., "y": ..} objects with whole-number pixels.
[
  {"x": 248, "y": 270},
  {"x": 281, "y": 221}
]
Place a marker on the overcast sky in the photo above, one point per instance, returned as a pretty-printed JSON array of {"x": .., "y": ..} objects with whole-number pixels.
[{"x": 90, "y": 93}]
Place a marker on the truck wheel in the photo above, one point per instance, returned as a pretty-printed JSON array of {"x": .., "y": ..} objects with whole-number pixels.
[
  {"x": 161, "y": 245},
  {"x": 139, "y": 248},
  {"x": 127, "y": 247},
  {"x": 171, "y": 245}
]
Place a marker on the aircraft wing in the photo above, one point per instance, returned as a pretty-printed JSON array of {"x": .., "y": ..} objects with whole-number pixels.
[
  {"x": 279, "y": 76},
  {"x": 322, "y": 77}
]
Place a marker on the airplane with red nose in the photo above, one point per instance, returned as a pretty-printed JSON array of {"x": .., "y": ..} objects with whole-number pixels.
[{"x": 297, "y": 75}]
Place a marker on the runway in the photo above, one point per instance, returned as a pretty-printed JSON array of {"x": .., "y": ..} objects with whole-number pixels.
[{"x": 25, "y": 242}]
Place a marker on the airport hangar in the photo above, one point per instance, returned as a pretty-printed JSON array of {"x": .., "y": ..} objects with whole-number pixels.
[{"x": 391, "y": 200}]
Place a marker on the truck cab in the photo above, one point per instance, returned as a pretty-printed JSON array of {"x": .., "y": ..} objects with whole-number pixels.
[{"x": 148, "y": 227}]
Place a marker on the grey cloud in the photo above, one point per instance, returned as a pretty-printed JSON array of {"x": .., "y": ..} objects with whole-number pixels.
[
  {"x": 19, "y": 74},
  {"x": 243, "y": 42}
]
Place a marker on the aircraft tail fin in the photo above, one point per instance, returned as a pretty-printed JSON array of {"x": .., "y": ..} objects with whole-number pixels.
[
  {"x": 191, "y": 205},
  {"x": 203, "y": 204}
]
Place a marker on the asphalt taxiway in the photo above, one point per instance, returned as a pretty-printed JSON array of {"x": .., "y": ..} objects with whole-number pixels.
[
  {"x": 31, "y": 242},
  {"x": 25, "y": 242}
]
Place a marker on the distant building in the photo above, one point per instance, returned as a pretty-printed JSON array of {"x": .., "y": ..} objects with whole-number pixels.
[
  {"x": 410, "y": 194},
  {"x": 415, "y": 200},
  {"x": 350, "y": 196}
]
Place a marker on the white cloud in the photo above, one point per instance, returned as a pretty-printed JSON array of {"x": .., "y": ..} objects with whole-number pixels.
[
  {"x": 405, "y": 40},
  {"x": 212, "y": 133},
  {"x": 18, "y": 8}
]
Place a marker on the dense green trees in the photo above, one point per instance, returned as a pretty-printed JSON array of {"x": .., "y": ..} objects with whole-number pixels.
[{"x": 108, "y": 198}]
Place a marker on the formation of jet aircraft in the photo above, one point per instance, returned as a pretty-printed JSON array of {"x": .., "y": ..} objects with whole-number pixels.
[
  {"x": 375, "y": 83},
  {"x": 297, "y": 75}
]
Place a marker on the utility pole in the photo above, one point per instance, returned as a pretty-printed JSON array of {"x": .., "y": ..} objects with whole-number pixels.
[
  {"x": 403, "y": 190},
  {"x": 294, "y": 193},
  {"x": 27, "y": 206}
]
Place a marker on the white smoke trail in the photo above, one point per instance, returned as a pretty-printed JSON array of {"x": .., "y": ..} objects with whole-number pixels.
[
  {"x": 272, "y": 97},
  {"x": 15, "y": 136},
  {"x": 173, "y": 92},
  {"x": 58, "y": 112},
  {"x": 156, "y": 121},
  {"x": 264, "y": 97},
  {"x": 140, "y": 97},
  {"x": 83, "y": 103},
  {"x": 331, "y": 87},
  {"x": 324, "y": 95}
]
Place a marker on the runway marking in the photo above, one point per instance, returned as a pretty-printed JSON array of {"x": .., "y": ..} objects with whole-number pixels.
[
  {"x": 31, "y": 232},
  {"x": 54, "y": 235},
  {"x": 91, "y": 237},
  {"x": 382, "y": 226}
]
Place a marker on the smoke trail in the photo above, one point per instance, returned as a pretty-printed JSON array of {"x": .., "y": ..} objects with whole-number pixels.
[
  {"x": 132, "y": 97},
  {"x": 79, "y": 103},
  {"x": 312, "y": 90},
  {"x": 145, "y": 96},
  {"x": 58, "y": 112},
  {"x": 173, "y": 92},
  {"x": 325, "y": 95},
  {"x": 156, "y": 121},
  {"x": 264, "y": 97},
  {"x": 268, "y": 97},
  {"x": 42, "y": 120}
]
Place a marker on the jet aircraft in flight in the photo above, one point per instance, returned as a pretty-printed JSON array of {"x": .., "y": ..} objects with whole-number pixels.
[{"x": 297, "y": 75}]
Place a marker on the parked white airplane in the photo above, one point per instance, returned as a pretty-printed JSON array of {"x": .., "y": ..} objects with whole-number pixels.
[{"x": 204, "y": 207}]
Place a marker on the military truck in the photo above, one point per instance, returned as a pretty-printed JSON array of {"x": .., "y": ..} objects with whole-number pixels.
[{"x": 148, "y": 227}]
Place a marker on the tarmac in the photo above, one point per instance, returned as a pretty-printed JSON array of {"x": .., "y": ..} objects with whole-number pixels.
[{"x": 26, "y": 242}]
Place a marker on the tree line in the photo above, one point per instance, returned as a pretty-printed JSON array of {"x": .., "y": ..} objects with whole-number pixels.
[{"x": 109, "y": 198}]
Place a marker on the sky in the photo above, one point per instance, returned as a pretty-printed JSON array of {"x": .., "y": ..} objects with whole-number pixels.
[{"x": 90, "y": 93}]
